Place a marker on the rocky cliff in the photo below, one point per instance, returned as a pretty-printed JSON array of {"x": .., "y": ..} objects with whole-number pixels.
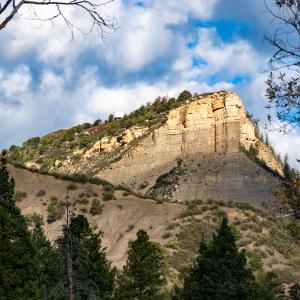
[
  {"x": 197, "y": 154},
  {"x": 196, "y": 150}
]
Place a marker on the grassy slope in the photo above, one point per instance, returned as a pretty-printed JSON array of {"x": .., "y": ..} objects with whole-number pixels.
[{"x": 179, "y": 227}]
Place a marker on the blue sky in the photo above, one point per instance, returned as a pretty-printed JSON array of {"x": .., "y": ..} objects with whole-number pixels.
[{"x": 161, "y": 47}]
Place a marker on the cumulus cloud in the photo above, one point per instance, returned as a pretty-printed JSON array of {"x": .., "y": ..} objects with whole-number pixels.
[
  {"x": 16, "y": 83},
  {"x": 160, "y": 48}
]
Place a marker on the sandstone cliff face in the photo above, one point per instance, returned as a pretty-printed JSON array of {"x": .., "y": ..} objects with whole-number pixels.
[
  {"x": 212, "y": 127},
  {"x": 209, "y": 128}
]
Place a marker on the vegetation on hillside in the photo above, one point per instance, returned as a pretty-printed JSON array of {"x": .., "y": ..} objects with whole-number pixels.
[
  {"x": 56, "y": 146},
  {"x": 76, "y": 267},
  {"x": 270, "y": 243}
]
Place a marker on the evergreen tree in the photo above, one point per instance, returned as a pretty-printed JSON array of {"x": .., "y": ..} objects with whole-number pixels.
[
  {"x": 183, "y": 96},
  {"x": 88, "y": 274},
  {"x": 286, "y": 167},
  {"x": 48, "y": 263},
  {"x": 17, "y": 252},
  {"x": 142, "y": 277},
  {"x": 220, "y": 271}
]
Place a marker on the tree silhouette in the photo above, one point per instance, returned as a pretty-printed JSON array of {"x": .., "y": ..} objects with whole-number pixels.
[
  {"x": 220, "y": 271},
  {"x": 18, "y": 278},
  {"x": 143, "y": 275},
  {"x": 283, "y": 85},
  {"x": 91, "y": 9}
]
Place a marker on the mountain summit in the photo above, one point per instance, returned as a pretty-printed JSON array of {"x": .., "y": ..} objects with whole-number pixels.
[{"x": 205, "y": 146}]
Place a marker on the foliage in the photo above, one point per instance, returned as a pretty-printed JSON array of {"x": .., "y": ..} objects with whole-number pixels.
[
  {"x": 85, "y": 260},
  {"x": 48, "y": 262},
  {"x": 17, "y": 252},
  {"x": 55, "y": 210},
  {"x": 252, "y": 154},
  {"x": 256, "y": 261},
  {"x": 283, "y": 85},
  {"x": 96, "y": 207},
  {"x": 269, "y": 287},
  {"x": 288, "y": 197},
  {"x": 19, "y": 196},
  {"x": 220, "y": 271},
  {"x": 56, "y": 146},
  {"x": 183, "y": 96},
  {"x": 143, "y": 275},
  {"x": 294, "y": 292},
  {"x": 107, "y": 196}
]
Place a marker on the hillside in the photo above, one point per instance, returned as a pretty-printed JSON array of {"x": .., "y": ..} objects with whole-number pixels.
[
  {"x": 206, "y": 146},
  {"x": 173, "y": 168},
  {"x": 177, "y": 226}
]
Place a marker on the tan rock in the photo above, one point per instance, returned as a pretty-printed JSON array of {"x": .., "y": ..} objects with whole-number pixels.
[
  {"x": 94, "y": 149},
  {"x": 32, "y": 165},
  {"x": 107, "y": 144}
]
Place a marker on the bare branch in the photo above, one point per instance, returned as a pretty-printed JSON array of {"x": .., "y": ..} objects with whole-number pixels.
[
  {"x": 91, "y": 8},
  {"x": 283, "y": 89}
]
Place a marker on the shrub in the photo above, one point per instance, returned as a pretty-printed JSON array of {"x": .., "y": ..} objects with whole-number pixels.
[
  {"x": 256, "y": 261},
  {"x": 72, "y": 187},
  {"x": 167, "y": 235},
  {"x": 108, "y": 187},
  {"x": 130, "y": 227},
  {"x": 172, "y": 226},
  {"x": 96, "y": 207},
  {"x": 107, "y": 196},
  {"x": 40, "y": 193},
  {"x": 19, "y": 196},
  {"x": 34, "y": 218},
  {"x": 83, "y": 201},
  {"x": 144, "y": 185},
  {"x": 183, "y": 96},
  {"x": 125, "y": 194},
  {"x": 55, "y": 210}
]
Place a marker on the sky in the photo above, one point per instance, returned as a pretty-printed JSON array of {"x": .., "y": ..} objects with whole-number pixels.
[{"x": 160, "y": 47}]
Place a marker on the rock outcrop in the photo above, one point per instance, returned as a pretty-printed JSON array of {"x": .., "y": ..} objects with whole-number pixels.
[
  {"x": 209, "y": 134},
  {"x": 213, "y": 127}
]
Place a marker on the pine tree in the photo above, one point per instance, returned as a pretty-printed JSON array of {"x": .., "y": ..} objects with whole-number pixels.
[
  {"x": 48, "y": 263},
  {"x": 142, "y": 277},
  {"x": 220, "y": 271},
  {"x": 183, "y": 96},
  {"x": 87, "y": 272},
  {"x": 17, "y": 252}
]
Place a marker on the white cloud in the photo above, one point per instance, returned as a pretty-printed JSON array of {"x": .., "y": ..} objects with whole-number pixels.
[
  {"x": 237, "y": 57},
  {"x": 16, "y": 83},
  {"x": 145, "y": 36},
  {"x": 288, "y": 143}
]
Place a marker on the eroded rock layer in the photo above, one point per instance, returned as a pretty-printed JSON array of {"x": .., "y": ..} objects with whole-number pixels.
[{"x": 212, "y": 129}]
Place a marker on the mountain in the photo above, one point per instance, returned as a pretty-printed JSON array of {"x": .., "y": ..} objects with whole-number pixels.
[
  {"x": 172, "y": 168},
  {"x": 203, "y": 147}
]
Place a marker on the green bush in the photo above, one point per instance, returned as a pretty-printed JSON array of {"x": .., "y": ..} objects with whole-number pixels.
[
  {"x": 34, "y": 218},
  {"x": 183, "y": 96},
  {"x": 167, "y": 235},
  {"x": 256, "y": 261},
  {"x": 55, "y": 210},
  {"x": 19, "y": 196},
  {"x": 107, "y": 196},
  {"x": 96, "y": 207}
]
